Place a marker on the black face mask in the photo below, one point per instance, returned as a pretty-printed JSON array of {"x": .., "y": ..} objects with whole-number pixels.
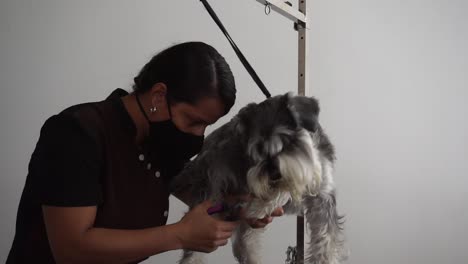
[{"x": 169, "y": 142}]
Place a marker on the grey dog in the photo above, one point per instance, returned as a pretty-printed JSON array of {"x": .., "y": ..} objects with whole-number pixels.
[{"x": 277, "y": 152}]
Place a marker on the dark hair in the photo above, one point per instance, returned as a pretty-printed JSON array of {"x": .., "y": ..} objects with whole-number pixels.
[{"x": 191, "y": 71}]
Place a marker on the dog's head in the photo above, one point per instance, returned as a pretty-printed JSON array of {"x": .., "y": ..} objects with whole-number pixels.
[{"x": 279, "y": 147}]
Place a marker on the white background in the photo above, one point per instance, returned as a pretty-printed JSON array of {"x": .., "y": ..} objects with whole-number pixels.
[{"x": 391, "y": 76}]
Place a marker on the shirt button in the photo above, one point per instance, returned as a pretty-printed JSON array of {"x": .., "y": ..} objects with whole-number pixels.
[
  {"x": 157, "y": 174},
  {"x": 148, "y": 166},
  {"x": 141, "y": 157},
  {"x": 166, "y": 213}
]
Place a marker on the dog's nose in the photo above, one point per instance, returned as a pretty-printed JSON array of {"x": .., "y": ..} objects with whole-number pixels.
[
  {"x": 273, "y": 171},
  {"x": 259, "y": 148}
]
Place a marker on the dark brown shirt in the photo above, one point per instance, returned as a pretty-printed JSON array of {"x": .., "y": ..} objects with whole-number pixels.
[{"x": 87, "y": 156}]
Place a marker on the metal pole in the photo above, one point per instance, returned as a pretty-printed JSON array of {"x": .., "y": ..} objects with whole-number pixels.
[
  {"x": 302, "y": 48},
  {"x": 302, "y": 88}
]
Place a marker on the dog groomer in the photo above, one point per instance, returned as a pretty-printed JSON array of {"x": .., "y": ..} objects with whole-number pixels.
[{"x": 97, "y": 187}]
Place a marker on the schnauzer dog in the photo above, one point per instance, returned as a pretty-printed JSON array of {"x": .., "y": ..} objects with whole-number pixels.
[{"x": 277, "y": 152}]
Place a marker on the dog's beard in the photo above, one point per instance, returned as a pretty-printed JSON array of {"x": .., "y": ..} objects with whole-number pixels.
[
  {"x": 301, "y": 173},
  {"x": 259, "y": 208}
]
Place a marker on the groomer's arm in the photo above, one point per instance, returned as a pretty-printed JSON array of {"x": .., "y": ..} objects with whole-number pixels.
[{"x": 73, "y": 239}]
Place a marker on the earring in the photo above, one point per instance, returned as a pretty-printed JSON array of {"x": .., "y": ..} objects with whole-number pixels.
[{"x": 153, "y": 109}]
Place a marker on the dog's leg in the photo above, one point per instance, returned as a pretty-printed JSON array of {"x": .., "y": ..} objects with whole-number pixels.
[
  {"x": 192, "y": 257},
  {"x": 292, "y": 208},
  {"x": 325, "y": 230},
  {"x": 246, "y": 244}
]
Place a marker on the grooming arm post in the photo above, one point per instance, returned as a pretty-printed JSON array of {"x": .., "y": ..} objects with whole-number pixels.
[
  {"x": 302, "y": 51},
  {"x": 299, "y": 17},
  {"x": 301, "y": 90}
]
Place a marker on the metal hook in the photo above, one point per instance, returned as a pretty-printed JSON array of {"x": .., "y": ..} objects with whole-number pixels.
[{"x": 267, "y": 8}]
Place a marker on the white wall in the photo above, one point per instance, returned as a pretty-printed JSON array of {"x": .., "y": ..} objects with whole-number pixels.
[{"x": 391, "y": 77}]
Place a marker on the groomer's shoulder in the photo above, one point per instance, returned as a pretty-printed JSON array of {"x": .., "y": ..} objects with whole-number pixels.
[
  {"x": 65, "y": 162},
  {"x": 84, "y": 118},
  {"x": 68, "y": 157},
  {"x": 73, "y": 121}
]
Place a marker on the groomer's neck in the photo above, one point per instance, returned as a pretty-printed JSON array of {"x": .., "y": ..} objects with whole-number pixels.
[{"x": 141, "y": 124}]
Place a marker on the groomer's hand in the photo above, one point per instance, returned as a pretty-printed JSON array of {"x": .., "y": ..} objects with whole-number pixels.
[{"x": 199, "y": 231}]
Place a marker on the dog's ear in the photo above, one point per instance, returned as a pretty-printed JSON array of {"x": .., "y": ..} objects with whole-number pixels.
[
  {"x": 240, "y": 121},
  {"x": 306, "y": 111},
  {"x": 285, "y": 102}
]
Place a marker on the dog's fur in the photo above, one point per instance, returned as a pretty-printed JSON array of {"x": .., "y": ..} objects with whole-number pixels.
[{"x": 277, "y": 152}]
